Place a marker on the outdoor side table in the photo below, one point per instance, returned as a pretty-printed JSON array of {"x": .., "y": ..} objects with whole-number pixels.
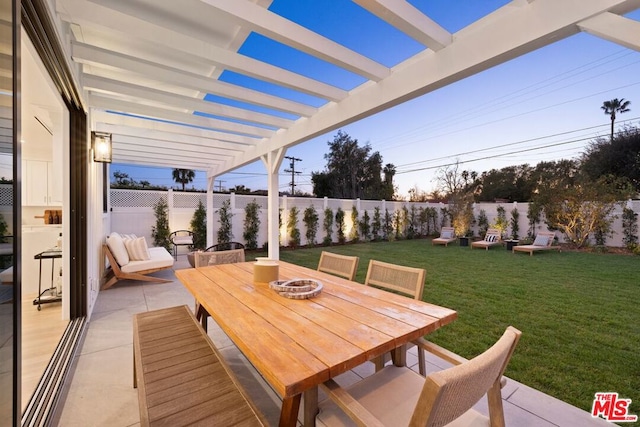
[
  {"x": 50, "y": 294},
  {"x": 511, "y": 243}
]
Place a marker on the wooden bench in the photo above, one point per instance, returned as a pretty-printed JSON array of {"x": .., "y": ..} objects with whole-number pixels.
[{"x": 181, "y": 377}]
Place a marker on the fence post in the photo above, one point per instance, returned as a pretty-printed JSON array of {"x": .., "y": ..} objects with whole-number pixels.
[
  {"x": 285, "y": 216},
  {"x": 210, "y": 213}
]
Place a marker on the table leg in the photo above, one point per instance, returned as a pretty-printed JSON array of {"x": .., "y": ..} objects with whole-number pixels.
[
  {"x": 289, "y": 411},
  {"x": 310, "y": 406},
  {"x": 399, "y": 355}
]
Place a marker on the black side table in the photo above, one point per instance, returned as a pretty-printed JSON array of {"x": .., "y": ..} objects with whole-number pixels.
[
  {"x": 48, "y": 295},
  {"x": 511, "y": 243}
]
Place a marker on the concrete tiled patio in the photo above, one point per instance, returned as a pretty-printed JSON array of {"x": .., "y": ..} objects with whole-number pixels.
[{"x": 100, "y": 391}]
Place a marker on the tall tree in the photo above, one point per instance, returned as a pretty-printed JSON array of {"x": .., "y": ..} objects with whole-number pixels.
[
  {"x": 353, "y": 171},
  {"x": 613, "y": 107},
  {"x": 183, "y": 176},
  {"x": 619, "y": 158},
  {"x": 451, "y": 180}
]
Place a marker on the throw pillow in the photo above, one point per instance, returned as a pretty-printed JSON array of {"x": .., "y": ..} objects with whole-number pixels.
[
  {"x": 446, "y": 234},
  {"x": 119, "y": 251},
  {"x": 541, "y": 240},
  {"x": 137, "y": 249}
]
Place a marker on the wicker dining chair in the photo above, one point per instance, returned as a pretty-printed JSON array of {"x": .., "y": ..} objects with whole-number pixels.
[
  {"x": 405, "y": 280},
  {"x": 202, "y": 259},
  {"x": 398, "y": 396},
  {"x": 340, "y": 265}
]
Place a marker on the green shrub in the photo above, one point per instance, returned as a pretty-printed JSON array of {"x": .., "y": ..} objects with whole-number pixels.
[
  {"x": 376, "y": 224},
  {"x": 515, "y": 227},
  {"x": 161, "y": 232},
  {"x": 365, "y": 226},
  {"x": 310, "y": 218},
  {"x": 340, "y": 225},
  {"x": 292, "y": 228},
  {"x": 199, "y": 227},
  {"x": 354, "y": 235},
  {"x": 630, "y": 228},
  {"x": 327, "y": 225},
  {"x": 251, "y": 224},
  {"x": 225, "y": 233}
]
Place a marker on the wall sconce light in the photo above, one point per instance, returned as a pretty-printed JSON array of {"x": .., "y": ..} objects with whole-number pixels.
[{"x": 101, "y": 144}]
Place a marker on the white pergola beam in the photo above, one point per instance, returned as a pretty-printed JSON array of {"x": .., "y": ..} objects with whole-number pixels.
[
  {"x": 142, "y": 149},
  {"x": 87, "y": 54},
  {"x": 181, "y": 101},
  {"x": 408, "y": 19},
  {"x": 199, "y": 45},
  {"x": 177, "y": 142},
  {"x": 513, "y": 31},
  {"x": 103, "y": 118},
  {"x": 614, "y": 28},
  {"x": 156, "y": 162},
  {"x": 157, "y": 112},
  {"x": 271, "y": 25}
]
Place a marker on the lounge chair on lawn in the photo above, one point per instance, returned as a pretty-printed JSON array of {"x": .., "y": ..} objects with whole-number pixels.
[
  {"x": 492, "y": 238},
  {"x": 447, "y": 235},
  {"x": 543, "y": 242}
]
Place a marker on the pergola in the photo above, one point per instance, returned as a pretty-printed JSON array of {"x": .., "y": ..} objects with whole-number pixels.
[{"x": 147, "y": 65}]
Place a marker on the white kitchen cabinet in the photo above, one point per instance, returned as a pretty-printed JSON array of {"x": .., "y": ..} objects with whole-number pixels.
[{"x": 41, "y": 186}]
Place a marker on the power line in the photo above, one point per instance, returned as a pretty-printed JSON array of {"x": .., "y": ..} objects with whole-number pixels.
[
  {"x": 514, "y": 143},
  {"x": 497, "y": 155},
  {"x": 292, "y": 169}
]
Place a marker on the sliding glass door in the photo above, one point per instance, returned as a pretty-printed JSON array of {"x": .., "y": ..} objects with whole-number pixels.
[{"x": 9, "y": 216}]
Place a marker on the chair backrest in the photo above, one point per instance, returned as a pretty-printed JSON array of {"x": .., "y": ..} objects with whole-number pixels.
[
  {"x": 493, "y": 235},
  {"x": 182, "y": 237},
  {"x": 227, "y": 246},
  {"x": 545, "y": 237},
  {"x": 202, "y": 259},
  {"x": 406, "y": 280},
  {"x": 450, "y": 393},
  {"x": 447, "y": 233},
  {"x": 340, "y": 265}
]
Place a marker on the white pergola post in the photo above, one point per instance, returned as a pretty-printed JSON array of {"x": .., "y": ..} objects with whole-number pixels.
[
  {"x": 210, "y": 182},
  {"x": 272, "y": 161}
]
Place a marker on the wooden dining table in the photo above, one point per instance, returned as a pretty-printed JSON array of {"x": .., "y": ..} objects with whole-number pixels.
[{"x": 297, "y": 344}]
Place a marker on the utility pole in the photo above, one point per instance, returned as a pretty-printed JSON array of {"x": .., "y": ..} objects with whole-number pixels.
[
  {"x": 292, "y": 169},
  {"x": 220, "y": 185}
]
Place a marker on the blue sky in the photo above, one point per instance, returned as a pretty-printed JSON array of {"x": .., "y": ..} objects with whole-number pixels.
[{"x": 542, "y": 106}]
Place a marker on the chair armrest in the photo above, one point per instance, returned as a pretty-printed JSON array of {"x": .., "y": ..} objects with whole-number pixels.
[
  {"x": 447, "y": 355},
  {"x": 358, "y": 413},
  {"x": 441, "y": 352}
]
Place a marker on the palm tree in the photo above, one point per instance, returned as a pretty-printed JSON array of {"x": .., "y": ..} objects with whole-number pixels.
[
  {"x": 183, "y": 176},
  {"x": 615, "y": 106}
]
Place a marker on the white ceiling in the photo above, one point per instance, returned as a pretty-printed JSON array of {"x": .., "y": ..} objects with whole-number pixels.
[{"x": 157, "y": 59}]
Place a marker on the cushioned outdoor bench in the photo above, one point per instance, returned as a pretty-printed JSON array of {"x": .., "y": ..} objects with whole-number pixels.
[
  {"x": 135, "y": 265},
  {"x": 181, "y": 377}
]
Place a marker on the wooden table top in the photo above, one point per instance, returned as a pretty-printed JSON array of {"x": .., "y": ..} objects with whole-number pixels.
[{"x": 298, "y": 344}]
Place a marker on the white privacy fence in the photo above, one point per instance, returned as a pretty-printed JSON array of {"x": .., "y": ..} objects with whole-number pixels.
[{"x": 132, "y": 213}]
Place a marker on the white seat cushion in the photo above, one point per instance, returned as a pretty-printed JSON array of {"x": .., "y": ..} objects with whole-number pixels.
[
  {"x": 118, "y": 249},
  {"x": 159, "y": 258},
  {"x": 183, "y": 240}
]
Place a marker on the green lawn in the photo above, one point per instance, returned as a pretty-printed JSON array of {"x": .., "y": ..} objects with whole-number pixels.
[{"x": 578, "y": 311}]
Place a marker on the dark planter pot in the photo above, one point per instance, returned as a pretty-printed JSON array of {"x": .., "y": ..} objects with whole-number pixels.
[
  {"x": 511, "y": 244},
  {"x": 464, "y": 241}
]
